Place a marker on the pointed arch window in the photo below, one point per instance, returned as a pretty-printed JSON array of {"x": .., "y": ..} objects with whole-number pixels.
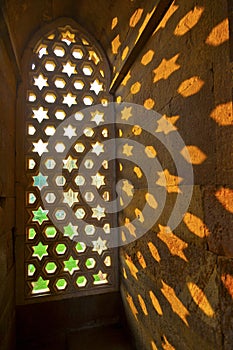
[{"x": 65, "y": 72}]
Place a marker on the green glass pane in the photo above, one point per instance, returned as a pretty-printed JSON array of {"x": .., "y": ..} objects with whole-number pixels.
[
  {"x": 50, "y": 232},
  {"x": 71, "y": 265},
  {"x": 40, "y": 250},
  {"x": 40, "y": 215},
  {"x": 31, "y": 269},
  {"x": 51, "y": 267},
  {"x": 61, "y": 248},
  {"x": 96, "y": 278},
  {"x": 31, "y": 233},
  {"x": 61, "y": 283},
  {"x": 40, "y": 286}
]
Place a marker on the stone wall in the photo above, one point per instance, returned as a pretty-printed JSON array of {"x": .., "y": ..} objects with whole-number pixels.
[
  {"x": 7, "y": 194},
  {"x": 177, "y": 286}
]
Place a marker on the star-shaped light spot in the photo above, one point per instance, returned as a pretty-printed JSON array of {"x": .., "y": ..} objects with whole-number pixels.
[
  {"x": 166, "y": 68},
  {"x": 40, "y": 286},
  {"x": 97, "y": 148},
  {"x": 40, "y": 215},
  {"x": 40, "y": 250},
  {"x": 71, "y": 265},
  {"x": 126, "y": 113},
  {"x": 69, "y": 131},
  {"x": 171, "y": 182},
  {"x": 40, "y": 181},
  {"x": 70, "y": 164},
  {"x": 127, "y": 188},
  {"x": 127, "y": 150},
  {"x": 166, "y": 125},
  {"x": 69, "y": 99},
  {"x": 40, "y": 81},
  {"x": 98, "y": 212},
  {"x": 96, "y": 86},
  {"x": 69, "y": 68},
  {"x": 97, "y": 117},
  {"x": 99, "y": 246},
  {"x": 40, "y": 147},
  {"x": 98, "y": 180},
  {"x": 70, "y": 197},
  {"x": 40, "y": 114},
  {"x": 70, "y": 230},
  {"x": 68, "y": 37}
]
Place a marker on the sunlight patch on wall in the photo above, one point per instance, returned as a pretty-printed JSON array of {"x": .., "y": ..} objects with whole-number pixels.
[
  {"x": 155, "y": 303},
  {"x": 193, "y": 155},
  {"x": 135, "y": 18},
  {"x": 147, "y": 57},
  {"x": 166, "y": 68},
  {"x": 171, "y": 182},
  {"x": 200, "y": 299},
  {"x": 227, "y": 280},
  {"x": 143, "y": 305},
  {"x": 219, "y": 34},
  {"x": 189, "y": 21},
  {"x": 225, "y": 197},
  {"x": 190, "y": 86},
  {"x": 116, "y": 44},
  {"x": 196, "y": 225},
  {"x": 154, "y": 251},
  {"x": 132, "y": 306},
  {"x": 174, "y": 243},
  {"x": 223, "y": 114},
  {"x": 149, "y": 103}
]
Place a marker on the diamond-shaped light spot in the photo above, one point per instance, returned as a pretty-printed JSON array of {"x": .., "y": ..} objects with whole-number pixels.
[
  {"x": 78, "y": 84},
  {"x": 50, "y": 197},
  {"x": 40, "y": 286},
  {"x": 40, "y": 181},
  {"x": 70, "y": 230},
  {"x": 50, "y": 163},
  {"x": 88, "y": 132},
  {"x": 40, "y": 250},
  {"x": 50, "y": 267},
  {"x": 89, "y": 196},
  {"x": 40, "y": 147},
  {"x": 100, "y": 278},
  {"x": 60, "y": 83},
  {"x": 70, "y": 197},
  {"x": 61, "y": 249},
  {"x": 88, "y": 164},
  {"x": 40, "y": 215},
  {"x": 69, "y": 68},
  {"x": 79, "y": 116},
  {"x": 99, "y": 246},
  {"x": 70, "y": 131},
  {"x": 68, "y": 37},
  {"x": 96, "y": 86},
  {"x": 40, "y": 81},
  {"x": 98, "y": 180},
  {"x": 79, "y": 147},
  {"x": 60, "y": 180},
  {"x": 61, "y": 284},
  {"x": 50, "y": 66},
  {"x": 31, "y": 130},
  {"x": 98, "y": 212},
  {"x": 78, "y": 54},
  {"x": 50, "y": 232},
  {"x": 97, "y": 117},
  {"x": 88, "y": 100},
  {"x": 69, "y": 99},
  {"x": 79, "y": 180},
  {"x": 50, "y": 130},
  {"x": 81, "y": 281},
  {"x": 90, "y": 263},
  {"x": 87, "y": 70},
  {"x": 107, "y": 261},
  {"x": 97, "y": 148},
  {"x": 31, "y": 270},
  {"x": 71, "y": 265},
  {"x": 90, "y": 230},
  {"x": 60, "y": 214},
  {"x": 60, "y": 114},
  {"x": 40, "y": 114},
  {"x": 80, "y": 247},
  {"x": 80, "y": 213},
  {"x": 60, "y": 147},
  {"x": 59, "y": 51},
  {"x": 50, "y": 98},
  {"x": 31, "y": 198}
]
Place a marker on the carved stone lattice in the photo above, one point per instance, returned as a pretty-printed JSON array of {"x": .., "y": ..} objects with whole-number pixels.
[{"x": 67, "y": 73}]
